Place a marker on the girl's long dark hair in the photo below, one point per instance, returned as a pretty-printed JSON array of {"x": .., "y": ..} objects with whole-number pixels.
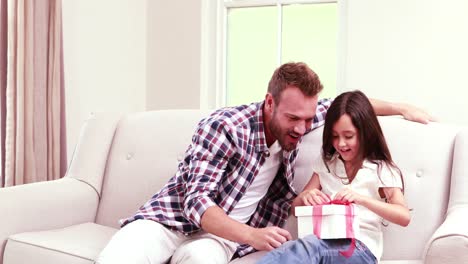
[{"x": 373, "y": 145}]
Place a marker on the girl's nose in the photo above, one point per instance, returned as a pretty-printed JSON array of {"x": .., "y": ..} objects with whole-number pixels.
[{"x": 341, "y": 143}]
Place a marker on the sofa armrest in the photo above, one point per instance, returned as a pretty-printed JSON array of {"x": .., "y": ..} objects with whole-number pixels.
[
  {"x": 449, "y": 243},
  {"x": 91, "y": 152},
  {"x": 45, "y": 205},
  {"x": 459, "y": 180}
]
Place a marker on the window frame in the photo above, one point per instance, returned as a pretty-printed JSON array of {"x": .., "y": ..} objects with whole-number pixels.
[{"x": 213, "y": 69}]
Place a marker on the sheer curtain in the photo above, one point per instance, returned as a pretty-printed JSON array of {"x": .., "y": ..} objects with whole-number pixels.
[
  {"x": 33, "y": 116},
  {"x": 3, "y": 81}
]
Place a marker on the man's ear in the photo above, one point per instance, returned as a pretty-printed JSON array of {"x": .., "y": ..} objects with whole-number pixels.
[{"x": 269, "y": 102}]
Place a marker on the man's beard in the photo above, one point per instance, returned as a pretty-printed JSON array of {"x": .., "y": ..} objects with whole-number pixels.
[{"x": 278, "y": 133}]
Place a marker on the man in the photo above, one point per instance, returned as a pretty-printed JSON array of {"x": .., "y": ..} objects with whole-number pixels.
[{"x": 232, "y": 192}]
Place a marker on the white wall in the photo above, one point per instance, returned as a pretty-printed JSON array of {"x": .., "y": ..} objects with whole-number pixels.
[
  {"x": 174, "y": 37},
  {"x": 129, "y": 55},
  {"x": 411, "y": 51},
  {"x": 136, "y": 55},
  {"x": 104, "y": 59}
]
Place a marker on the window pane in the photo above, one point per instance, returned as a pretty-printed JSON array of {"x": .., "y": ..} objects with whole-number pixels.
[
  {"x": 310, "y": 35},
  {"x": 251, "y": 53}
]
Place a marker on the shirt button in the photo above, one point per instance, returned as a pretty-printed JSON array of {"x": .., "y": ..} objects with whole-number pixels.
[
  {"x": 267, "y": 153},
  {"x": 180, "y": 157},
  {"x": 419, "y": 173}
]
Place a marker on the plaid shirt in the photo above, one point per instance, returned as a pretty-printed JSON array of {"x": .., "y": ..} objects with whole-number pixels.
[{"x": 226, "y": 153}]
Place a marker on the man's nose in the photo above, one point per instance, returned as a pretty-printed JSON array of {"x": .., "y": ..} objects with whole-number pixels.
[{"x": 300, "y": 128}]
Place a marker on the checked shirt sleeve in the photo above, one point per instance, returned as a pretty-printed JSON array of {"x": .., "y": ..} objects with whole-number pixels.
[
  {"x": 322, "y": 108},
  {"x": 212, "y": 148}
]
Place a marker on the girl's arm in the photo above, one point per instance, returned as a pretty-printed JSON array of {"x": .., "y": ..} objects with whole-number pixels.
[
  {"x": 311, "y": 195},
  {"x": 399, "y": 213},
  {"x": 395, "y": 210}
]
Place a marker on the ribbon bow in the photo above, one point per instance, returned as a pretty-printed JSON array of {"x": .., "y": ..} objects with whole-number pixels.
[{"x": 317, "y": 222}]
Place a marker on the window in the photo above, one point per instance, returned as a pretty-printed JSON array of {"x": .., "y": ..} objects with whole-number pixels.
[{"x": 256, "y": 36}]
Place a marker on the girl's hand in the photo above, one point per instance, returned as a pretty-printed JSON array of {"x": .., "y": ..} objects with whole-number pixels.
[
  {"x": 313, "y": 197},
  {"x": 348, "y": 195}
]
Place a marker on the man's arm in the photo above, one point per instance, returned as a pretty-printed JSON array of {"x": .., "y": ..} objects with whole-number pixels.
[
  {"x": 215, "y": 221},
  {"x": 206, "y": 170},
  {"x": 409, "y": 112}
]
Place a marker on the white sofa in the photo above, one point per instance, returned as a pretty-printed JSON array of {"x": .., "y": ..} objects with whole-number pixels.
[{"x": 121, "y": 161}]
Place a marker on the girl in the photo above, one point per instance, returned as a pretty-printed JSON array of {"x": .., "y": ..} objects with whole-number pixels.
[{"x": 355, "y": 166}]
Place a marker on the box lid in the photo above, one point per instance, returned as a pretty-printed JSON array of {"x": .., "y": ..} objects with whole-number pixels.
[{"x": 329, "y": 209}]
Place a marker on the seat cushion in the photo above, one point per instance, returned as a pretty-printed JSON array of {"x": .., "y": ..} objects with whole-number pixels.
[
  {"x": 254, "y": 257},
  {"x": 401, "y": 262},
  {"x": 78, "y": 244},
  {"x": 249, "y": 259}
]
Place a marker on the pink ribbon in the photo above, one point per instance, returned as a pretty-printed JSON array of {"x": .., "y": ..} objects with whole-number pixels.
[{"x": 317, "y": 222}]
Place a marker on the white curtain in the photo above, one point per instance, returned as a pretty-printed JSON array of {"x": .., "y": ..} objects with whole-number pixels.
[{"x": 34, "y": 118}]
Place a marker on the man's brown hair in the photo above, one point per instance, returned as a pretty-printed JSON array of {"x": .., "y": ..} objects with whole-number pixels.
[{"x": 296, "y": 74}]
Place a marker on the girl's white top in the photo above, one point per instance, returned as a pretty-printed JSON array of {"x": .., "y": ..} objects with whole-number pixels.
[{"x": 367, "y": 182}]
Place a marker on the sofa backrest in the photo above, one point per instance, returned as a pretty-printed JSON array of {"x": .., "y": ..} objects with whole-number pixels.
[
  {"x": 144, "y": 154},
  {"x": 424, "y": 154},
  {"x": 146, "y": 147}
]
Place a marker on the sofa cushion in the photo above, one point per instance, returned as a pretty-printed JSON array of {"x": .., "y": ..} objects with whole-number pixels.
[
  {"x": 253, "y": 258},
  {"x": 75, "y": 244},
  {"x": 401, "y": 262}
]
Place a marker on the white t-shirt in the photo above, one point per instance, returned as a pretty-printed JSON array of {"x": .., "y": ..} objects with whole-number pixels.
[
  {"x": 366, "y": 182},
  {"x": 247, "y": 205}
]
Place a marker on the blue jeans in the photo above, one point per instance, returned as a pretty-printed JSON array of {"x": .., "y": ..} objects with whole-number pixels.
[{"x": 311, "y": 249}]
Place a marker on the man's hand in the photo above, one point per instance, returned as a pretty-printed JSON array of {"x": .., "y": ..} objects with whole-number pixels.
[
  {"x": 409, "y": 112},
  {"x": 215, "y": 221},
  {"x": 413, "y": 113},
  {"x": 268, "y": 238}
]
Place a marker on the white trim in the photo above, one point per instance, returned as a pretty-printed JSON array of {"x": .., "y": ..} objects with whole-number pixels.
[
  {"x": 341, "y": 46},
  {"x": 254, "y": 3},
  {"x": 212, "y": 53},
  {"x": 221, "y": 67},
  {"x": 280, "y": 34},
  {"x": 207, "y": 31}
]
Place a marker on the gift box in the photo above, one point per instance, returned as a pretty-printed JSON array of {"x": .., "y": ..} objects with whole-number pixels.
[{"x": 328, "y": 221}]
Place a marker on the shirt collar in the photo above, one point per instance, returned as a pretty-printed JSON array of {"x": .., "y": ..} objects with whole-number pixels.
[
  {"x": 365, "y": 164},
  {"x": 259, "y": 129}
]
